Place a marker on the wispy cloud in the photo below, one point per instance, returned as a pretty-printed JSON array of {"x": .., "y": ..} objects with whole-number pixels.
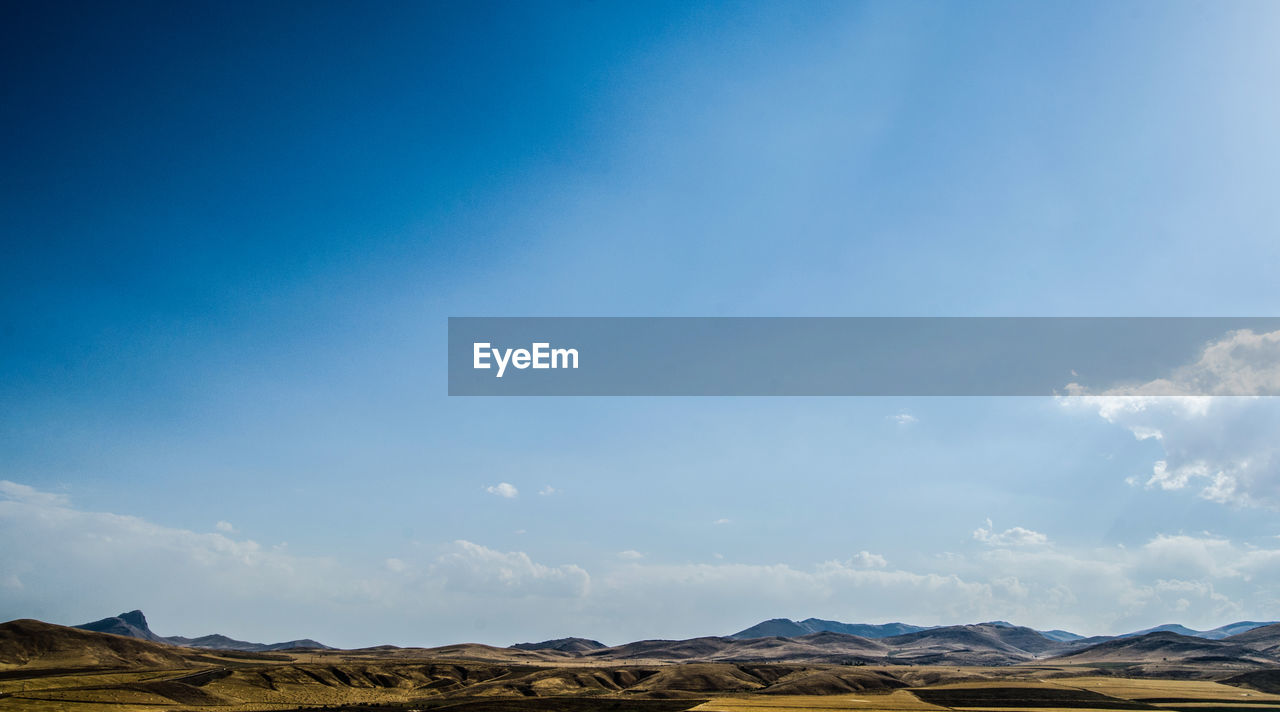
[{"x": 25, "y": 493}]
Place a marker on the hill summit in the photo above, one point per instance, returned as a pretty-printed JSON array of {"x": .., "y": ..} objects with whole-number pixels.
[
  {"x": 787, "y": 628},
  {"x": 567, "y": 645},
  {"x": 131, "y": 625}
]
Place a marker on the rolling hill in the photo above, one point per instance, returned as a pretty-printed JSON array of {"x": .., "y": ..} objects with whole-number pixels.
[
  {"x": 567, "y": 645},
  {"x": 32, "y": 643},
  {"x": 1218, "y": 633},
  {"x": 1166, "y": 647},
  {"x": 983, "y": 644},
  {"x": 1265, "y": 638},
  {"x": 995, "y": 643},
  {"x": 49, "y": 668},
  {"x": 787, "y": 628}
]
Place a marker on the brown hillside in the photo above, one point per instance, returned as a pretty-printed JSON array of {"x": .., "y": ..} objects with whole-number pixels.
[
  {"x": 1166, "y": 647},
  {"x": 1266, "y": 638},
  {"x": 32, "y": 643}
]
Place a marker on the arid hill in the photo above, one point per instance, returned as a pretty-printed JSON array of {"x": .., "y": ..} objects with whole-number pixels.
[
  {"x": 48, "y": 668},
  {"x": 1261, "y": 680},
  {"x": 1265, "y": 638},
  {"x": 567, "y": 645},
  {"x": 1164, "y": 647},
  {"x": 32, "y": 643},
  {"x": 787, "y": 628},
  {"x": 986, "y": 644}
]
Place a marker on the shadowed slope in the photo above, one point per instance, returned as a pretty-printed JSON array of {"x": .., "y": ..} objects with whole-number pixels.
[{"x": 37, "y": 644}]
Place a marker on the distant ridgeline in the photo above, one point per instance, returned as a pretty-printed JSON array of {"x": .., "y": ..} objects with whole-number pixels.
[
  {"x": 127, "y": 641},
  {"x": 818, "y": 640},
  {"x": 134, "y": 625},
  {"x": 787, "y": 628}
]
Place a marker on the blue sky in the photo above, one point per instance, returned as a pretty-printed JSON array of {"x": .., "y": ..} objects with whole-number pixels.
[{"x": 233, "y": 234}]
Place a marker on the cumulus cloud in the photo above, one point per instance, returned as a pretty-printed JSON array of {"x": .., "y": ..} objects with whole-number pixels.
[
  {"x": 1220, "y": 445},
  {"x": 1222, "y": 448},
  {"x": 904, "y": 419},
  {"x": 1241, "y": 363},
  {"x": 868, "y": 560},
  {"x": 630, "y": 555},
  {"x": 503, "y": 489},
  {"x": 548, "y": 490},
  {"x": 1017, "y": 536},
  {"x": 225, "y": 526}
]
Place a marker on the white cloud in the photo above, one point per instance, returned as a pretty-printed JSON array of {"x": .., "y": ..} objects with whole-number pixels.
[
  {"x": 548, "y": 490},
  {"x": 1220, "y": 445},
  {"x": 904, "y": 419},
  {"x": 503, "y": 489},
  {"x": 1223, "y": 448},
  {"x": 1017, "y": 536},
  {"x": 630, "y": 555},
  {"x": 1241, "y": 363},
  {"x": 225, "y": 526},
  {"x": 722, "y": 520},
  {"x": 396, "y": 565},
  {"x": 867, "y": 560},
  {"x": 56, "y": 549},
  {"x": 30, "y": 495}
]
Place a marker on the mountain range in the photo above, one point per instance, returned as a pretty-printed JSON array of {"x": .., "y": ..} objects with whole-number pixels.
[
  {"x": 824, "y": 641},
  {"x": 134, "y": 625},
  {"x": 994, "y": 643},
  {"x": 43, "y": 666},
  {"x": 787, "y": 628},
  {"x": 1219, "y": 633},
  {"x": 35, "y": 644}
]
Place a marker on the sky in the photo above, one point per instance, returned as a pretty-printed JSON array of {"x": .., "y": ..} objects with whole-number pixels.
[{"x": 232, "y": 235}]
